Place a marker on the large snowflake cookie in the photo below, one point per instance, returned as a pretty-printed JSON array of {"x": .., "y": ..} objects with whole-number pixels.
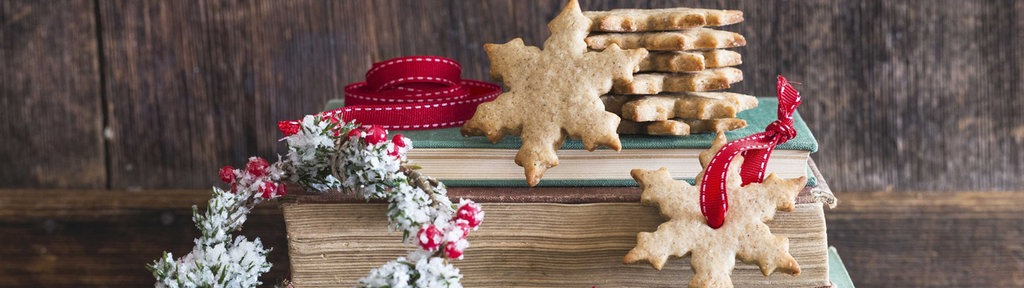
[
  {"x": 713, "y": 252},
  {"x": 554, "y": 93}
]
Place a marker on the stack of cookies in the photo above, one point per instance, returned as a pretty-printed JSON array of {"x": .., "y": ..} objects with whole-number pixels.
[{"x": 669, "y": 93}]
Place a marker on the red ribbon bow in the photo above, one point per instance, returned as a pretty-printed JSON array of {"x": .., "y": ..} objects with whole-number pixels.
[
  {"x": 410, "y": 93},
  {"x": 755, "y": 150}
]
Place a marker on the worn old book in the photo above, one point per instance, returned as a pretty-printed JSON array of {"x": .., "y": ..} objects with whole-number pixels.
[
  {"x": 474, "y": 161},
  {"x": 334, "y": 239}
]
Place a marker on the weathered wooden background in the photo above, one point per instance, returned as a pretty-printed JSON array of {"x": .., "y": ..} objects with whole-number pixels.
[{"x": 106, "y": 97}]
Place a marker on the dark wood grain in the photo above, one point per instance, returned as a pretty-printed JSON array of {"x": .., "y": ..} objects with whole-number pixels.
[
  {"x": 50, "y": 116},
  {"x": 917, "y": 96},
  {"x": 175, "y": 81},
  {"x": 901, "y": 95},
  {"x": 196, "y": 85},
  {"x": 928, "y": 239},
  {"x": 103, "y": 238}
]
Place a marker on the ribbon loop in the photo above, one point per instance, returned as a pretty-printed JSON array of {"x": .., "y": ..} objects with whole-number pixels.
[
  {"x": 441, "y": 72},
  {"x": 781, "y": 128},
  {"x": 755, "y": 149},
  {"x": 410, "y": 93}
]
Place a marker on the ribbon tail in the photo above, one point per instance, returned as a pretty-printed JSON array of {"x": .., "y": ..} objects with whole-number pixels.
[
  {"x": 756, "y": 149},
  {"x": 789, "y": 98},
  {"x": 755, "y": 163}
]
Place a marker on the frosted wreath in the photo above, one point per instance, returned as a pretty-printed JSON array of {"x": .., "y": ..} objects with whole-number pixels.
[{"x": 324, "y": 155}]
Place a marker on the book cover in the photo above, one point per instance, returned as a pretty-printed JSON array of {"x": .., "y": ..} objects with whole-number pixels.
[
  {"x": 474, "y": 161},
  {"x": 757, "y": 119}
]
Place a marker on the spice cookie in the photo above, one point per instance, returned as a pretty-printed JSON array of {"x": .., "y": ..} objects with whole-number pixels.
[
  {"x": 554, "y": 93},
  {"x": 681, "y": 127},
  {"x": 654, "y": 83},
  {"x": 689, "y": 61},
  {"x": 713, "y": 252},
  {"x": 689, "y": 39},
  {"x": 636, "y": 20},
  {"x": 689, "y": 105}
]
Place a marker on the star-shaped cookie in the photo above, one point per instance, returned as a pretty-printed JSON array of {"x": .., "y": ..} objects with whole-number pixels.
[
  {"x": 553, "y": 93},
  {"x": 713, "y": 252}
]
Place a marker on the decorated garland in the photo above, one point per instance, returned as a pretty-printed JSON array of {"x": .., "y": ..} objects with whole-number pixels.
[{"x": 327, "y": 154}]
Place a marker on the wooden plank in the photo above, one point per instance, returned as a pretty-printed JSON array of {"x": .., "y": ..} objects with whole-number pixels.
[
  {"x": 50, "y": 111},
  {"x": 215, "y": 76},
  {"x": 179, "y": 105},
  {"x": 295, "y": 69},
  {"x": 196, "y": 85},
  {"x": 74, "y": 238},
  {"x": 476, "y": 23},
  {"x": 217, "y": 86},
  {"x": 78, "y": 238},
  {"x": 929, "y": 239},
  {"x": 902, "y": 95}
]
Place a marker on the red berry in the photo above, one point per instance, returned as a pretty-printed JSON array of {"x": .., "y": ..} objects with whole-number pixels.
[
  {"x": 376, "y": 135},
  {"x": 268, "y": 189},
  {"x": 227, "y": 174},
  {"x": 452, "y": 250},
  {"x": 400, "y": 141},
  {"x": 429, "y": 238},
  {"x": 463, "y": 225},
  {"x": 355, "y": 133},
  {"x": 257, "y": 166},
  {"x": 281, "y": 189},
  {"x": 471, "y": 212}
]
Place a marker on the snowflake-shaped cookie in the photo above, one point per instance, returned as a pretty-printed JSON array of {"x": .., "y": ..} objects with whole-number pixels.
[
  {"x": 713, "y": 252},
  {"x": 553, "y": 93}
]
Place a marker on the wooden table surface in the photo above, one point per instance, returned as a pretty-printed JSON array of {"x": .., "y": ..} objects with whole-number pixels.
[{"x": 79, "y": 238}]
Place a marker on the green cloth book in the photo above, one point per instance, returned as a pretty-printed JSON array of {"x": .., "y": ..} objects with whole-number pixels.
[
  {"x": 475, "y": 161},
  {"x": 837, "y": 271}
]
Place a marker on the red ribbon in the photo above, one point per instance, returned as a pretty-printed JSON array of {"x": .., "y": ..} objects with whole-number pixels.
[
  {"x": 410, "y": 93},
  {"x": 755, "y": 150}
]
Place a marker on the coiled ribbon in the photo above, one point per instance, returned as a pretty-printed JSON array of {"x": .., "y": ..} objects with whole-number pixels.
[
  {"x": 410, "y": 93},
  {"x": 755, "y": 149}
]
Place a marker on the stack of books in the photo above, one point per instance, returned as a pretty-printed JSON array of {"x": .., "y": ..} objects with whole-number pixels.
[
  {"x": 539, "y": 237},
  {"x": 474, "y": 161},
  {"x": 574, "y": 230}
]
